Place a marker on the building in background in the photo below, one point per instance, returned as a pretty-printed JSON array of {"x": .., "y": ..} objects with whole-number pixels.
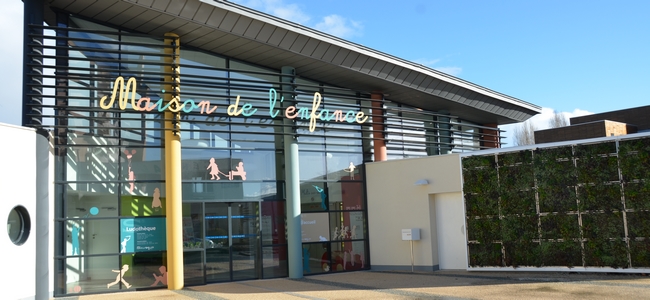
[
  {"x": 239, "y": 138},
  {"x": 613, "y": 123}
]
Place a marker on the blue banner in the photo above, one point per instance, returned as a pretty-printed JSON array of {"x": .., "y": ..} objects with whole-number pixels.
[{"x": 143, "y": 235}]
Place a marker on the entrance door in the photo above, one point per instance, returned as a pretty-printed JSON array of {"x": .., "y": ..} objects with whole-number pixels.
[{"x": 232, "y": 235}]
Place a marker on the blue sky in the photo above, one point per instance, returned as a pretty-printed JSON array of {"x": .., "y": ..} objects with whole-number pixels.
[{"x": 576, "y": 57}]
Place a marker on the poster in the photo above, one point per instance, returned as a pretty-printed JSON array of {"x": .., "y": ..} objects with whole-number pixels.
[{"x": 143, "y": 235}]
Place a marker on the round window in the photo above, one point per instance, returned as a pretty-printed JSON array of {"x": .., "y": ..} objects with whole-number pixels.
[{"x": 18, "y": 225}]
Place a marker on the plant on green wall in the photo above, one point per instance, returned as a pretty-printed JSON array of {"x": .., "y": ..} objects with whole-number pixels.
[
  {"x": 522, "y": 253},
  {"x": 635, "y": 159},
  {"x": 639, "y": 253},
  {"x": 607, "y": 225},
  {"x": 565, "y": 254},
  {"x": 597, "y": 163},
  {"x": 637, "y": 195},
  {"x": 560, "y": 226},
  {"x": 600, "y": 197},
  {"x": 482, "y": 204},
  {"x": 484, "y": 230},
  {"x": 555, "y": 176},
  {"x": 606, "y": 253},
  {"x": 638, "y": 225},
  {"x": 485, "y": 255}
]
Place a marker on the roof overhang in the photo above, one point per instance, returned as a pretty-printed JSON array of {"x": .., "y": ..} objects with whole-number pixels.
[{"x": 229, "y": 29}]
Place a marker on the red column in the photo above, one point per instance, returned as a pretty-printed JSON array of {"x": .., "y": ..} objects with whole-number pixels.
[
  {"x": 490, "y": 137},
  {"x": 378, "y": 126}
]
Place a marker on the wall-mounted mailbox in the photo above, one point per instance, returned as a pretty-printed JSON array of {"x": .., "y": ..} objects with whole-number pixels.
[{"x": 411, "y": 234}]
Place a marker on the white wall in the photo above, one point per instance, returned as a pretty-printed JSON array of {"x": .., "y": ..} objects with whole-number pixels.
[
  {"x": 24, "y": 181},
  {"x": 395, "y": 203}
]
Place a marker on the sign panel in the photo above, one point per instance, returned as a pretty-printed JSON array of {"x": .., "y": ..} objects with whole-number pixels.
[
  {"x": 315, "y": 227},
  {"x": 143, "y": 235}
]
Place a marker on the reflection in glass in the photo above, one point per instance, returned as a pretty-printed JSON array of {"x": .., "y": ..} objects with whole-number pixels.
[
  {"x": 193, "y": 227},
  {"x": 344, "y": 166},
  {"x": 316, "y": 258},
  {"x": 313, "y": 196},
  {"x": 347, "y": 256},
  {"x": 312, "y": 166},
  {"x": 273, "y": 223},
  {"x": 89, "y": 236},
  {"x": 275, "y": 262},
  {"x": 217, "y": 232},
  {"x": 346, "y": 195}
]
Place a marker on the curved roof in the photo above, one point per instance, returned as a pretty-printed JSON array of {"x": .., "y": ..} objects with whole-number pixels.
[{"x": 245, "y": 34}]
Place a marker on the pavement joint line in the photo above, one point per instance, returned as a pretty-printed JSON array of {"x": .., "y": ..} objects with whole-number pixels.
[
  {"x": 284, "y": 292},
  {"x": 592, "y": 282},
  {"x": 397, "y": 292},
  {"x": 199, "y": 295}
]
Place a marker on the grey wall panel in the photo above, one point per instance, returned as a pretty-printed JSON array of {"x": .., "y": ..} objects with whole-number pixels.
[
  {"x": 253, "y": 29},
  {"x": 439, "y": 88},
  {"x": 186, "y": 30},
  {"x": 233, "y": 48},
  {"x": 97, "y": 8},
  {"x": 379, "y": 65},
  {"x": 145, "y": 3},
  {"x": 203, "y": 13},
  {"x": 288, "y": 40},
  {"x": 266, "y": 33},
  {"x": 215, "y": 19},
  {"x": 75, "y": 6},
  {"x": 277, "y": 36},
  {"x": 121, "y": 19},
  {"x": 144, "y": 18},
  {"x": 229, "y": 21},
  {"x": 385, "y": 71},
  {"x": 350, "y": 59},
  {"x": 190, "y": 9},
  {"x": 402, "y": 75},
  {"x": 241, "y": 26},
  {"x": 358, "y": 63},
  {"x": 200, "y": 33},
  {"x": 309, "y": 48},
  {"x": 160, "y": 5},
  {"x": 320, "y": 50},
  {"x": 299, "y": 43},
  {"x": 368, "y": 65},
  {"x": 330, "y": 53},
  {"x": 408, "y": 81},
  {"x": 419, "y": 78},
  {"x": 340, "y": 56},
  {"x": 393, "y": 73},
  {"x": 175, "y": 7},
  {"x": 170, "y": 26}
]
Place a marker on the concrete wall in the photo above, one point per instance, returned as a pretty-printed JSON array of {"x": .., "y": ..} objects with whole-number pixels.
[
  {"x": 24, "y": 181},
  {"x": 396, "y": 203}
]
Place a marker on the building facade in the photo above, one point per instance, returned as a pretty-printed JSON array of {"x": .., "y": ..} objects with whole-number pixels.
[{"x": 197, "y": 142}]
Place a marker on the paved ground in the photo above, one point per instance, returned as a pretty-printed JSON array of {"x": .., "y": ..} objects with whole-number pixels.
[{"x": 406, "y": 285}]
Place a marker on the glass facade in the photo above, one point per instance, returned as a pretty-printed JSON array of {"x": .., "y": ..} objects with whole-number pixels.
[{"x": 110, "y": 162}]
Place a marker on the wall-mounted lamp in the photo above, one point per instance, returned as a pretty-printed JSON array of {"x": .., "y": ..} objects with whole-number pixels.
[{"x": 422, "y": 182}]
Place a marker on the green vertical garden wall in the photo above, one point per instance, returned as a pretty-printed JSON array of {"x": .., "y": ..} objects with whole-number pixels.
[{"x": 585, "y": 205}]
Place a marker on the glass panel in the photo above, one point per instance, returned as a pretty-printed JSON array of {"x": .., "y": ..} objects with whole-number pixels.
[
  {"x": 252, "y": 165},
  {"x": 316, "y": 258},
  {"x": 230, "y": 190},
  {"x": 141, "y": 164},
  {"x": 205, "y": 164},
  {"x": 88, "y": 200},
  {"x": 347, "y": 256},
  {"x": 273, "y": 223},
  {"x": 245, "y": 240},
  {"x": 92, "y": 164},
  {"x": 275, "y": 262},
  {"x": 313, "y": 196},
  {"x": 193, "y": 227},
  {"x": 193, "y": 267},
  {"x": 217, "y": 231},
  {"x": 347, "y": 225},
  {"x": 149, "y": 201},
  {"x": 344, "y": 166},
  {"x": 100, "y": 274},
  {"x": 90, "y": 236},
  {"x": 346, "y": 195},
  {"x": 315, "y": 227},
  {"x": 146, "y": 269},
  {"x": 312, "y": 166}
]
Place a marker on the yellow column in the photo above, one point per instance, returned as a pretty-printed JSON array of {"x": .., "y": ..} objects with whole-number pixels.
[{"x": 175, "y": 278}]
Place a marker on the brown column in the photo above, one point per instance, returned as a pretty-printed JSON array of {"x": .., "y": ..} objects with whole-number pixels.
[
  {"x": 378, "y": 126},
  {"x": 490, "y": 137}
]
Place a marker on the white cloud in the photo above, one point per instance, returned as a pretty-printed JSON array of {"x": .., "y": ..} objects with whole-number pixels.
[
  {"x": 291, "y": 12},
  {"x": 431, "y": 63},
  {"x": 453, "y": 71},
  {"x": 333, "y": 24},
  {"x": 540, "y": 121},
  {"x": 339, "y": 26}
]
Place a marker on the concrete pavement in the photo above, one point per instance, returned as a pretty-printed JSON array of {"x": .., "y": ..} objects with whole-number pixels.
[{"x": 406, "y": 285}]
